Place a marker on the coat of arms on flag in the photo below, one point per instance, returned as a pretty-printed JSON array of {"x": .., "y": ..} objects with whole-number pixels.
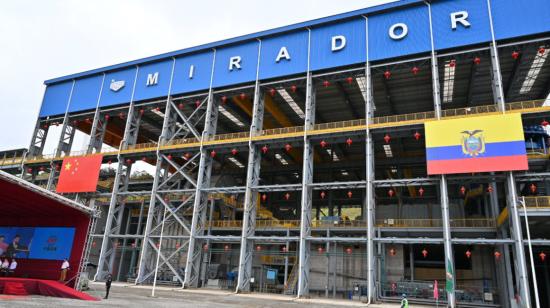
[{"x": 79, "y": 174}]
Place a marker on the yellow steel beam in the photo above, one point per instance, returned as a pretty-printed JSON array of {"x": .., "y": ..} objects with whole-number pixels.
[{"x": 277, "y": 114}]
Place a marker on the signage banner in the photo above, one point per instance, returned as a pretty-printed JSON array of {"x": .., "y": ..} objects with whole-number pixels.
[
  {"x": 476, "y": 144},
  {"x": 49, "y": 243}
]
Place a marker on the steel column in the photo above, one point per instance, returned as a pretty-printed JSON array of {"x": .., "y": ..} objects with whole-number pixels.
[
  {"x": 444, "y": 197},
  {"x": 251, "y": 195},
  {"x": 307, "y": 197}
]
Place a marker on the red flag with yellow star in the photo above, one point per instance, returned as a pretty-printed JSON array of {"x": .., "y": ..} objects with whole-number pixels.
[{"x": 79, "y": 174}]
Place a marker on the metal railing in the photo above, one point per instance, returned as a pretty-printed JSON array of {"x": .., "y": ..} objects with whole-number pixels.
[
  {"x": 537, "y": 202},
  {"x": 436, "y": 223},
  {"x": 320, "y": 128}
]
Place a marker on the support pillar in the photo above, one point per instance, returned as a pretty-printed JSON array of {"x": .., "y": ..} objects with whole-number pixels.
[{"x": 307, "y": 179}]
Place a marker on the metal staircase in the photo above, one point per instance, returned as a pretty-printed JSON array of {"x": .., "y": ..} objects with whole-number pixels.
[
  {"x": 81, "y": 276},
  {"x": 290, "y": 285}
]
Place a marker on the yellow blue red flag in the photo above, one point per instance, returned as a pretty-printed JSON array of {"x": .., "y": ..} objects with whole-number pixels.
[{"x": 476, "y": 144}]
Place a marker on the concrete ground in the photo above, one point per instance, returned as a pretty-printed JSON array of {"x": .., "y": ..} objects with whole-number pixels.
[{"x": 123, "y": 295}]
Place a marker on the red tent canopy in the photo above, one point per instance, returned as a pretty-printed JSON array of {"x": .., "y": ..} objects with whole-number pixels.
[{"x": 23, "y": 204}]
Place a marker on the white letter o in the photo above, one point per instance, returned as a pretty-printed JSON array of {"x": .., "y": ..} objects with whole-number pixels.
[{"x": 404, "y": 31}]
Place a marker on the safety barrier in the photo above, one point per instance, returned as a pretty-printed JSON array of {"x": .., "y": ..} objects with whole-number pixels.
[
  {"x": 436, "y": 223},
  {"x": 322, "y": 128},
  {"x": 537, "y": 202}
]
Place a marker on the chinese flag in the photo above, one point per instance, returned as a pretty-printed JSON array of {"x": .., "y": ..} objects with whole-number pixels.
[{"x": 79, "y": 174}]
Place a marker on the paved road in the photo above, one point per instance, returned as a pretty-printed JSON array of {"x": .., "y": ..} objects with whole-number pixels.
[{"x": 139, "y": 297}]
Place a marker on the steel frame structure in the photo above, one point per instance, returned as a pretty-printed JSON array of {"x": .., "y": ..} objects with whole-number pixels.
[{"x": 192, "y": 179}]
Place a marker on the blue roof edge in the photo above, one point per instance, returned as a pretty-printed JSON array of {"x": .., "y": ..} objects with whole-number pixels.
[{"x": 242, "y": 38}]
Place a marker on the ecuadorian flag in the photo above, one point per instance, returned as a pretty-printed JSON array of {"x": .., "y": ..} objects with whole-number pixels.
[{"x": 476, "y": 144}]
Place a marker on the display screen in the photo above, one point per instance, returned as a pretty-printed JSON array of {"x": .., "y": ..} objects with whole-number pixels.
[{"x": 49, "y": 243}]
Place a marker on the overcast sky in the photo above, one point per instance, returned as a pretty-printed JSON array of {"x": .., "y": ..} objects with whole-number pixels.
[{"x": 43, "y": 39}]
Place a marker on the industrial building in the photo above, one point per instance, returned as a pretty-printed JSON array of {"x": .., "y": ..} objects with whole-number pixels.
[{"x": 293, "y": 160}]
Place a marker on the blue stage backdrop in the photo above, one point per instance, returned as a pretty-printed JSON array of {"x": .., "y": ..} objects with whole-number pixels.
[{"x": 36, "y": 242}]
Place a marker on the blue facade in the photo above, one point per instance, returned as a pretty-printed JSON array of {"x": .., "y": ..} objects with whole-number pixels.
[
  {"x": 201, "y": 73},
  {"x": 292, "y": 61},
  {"x": 86, "y": 93},
  {"x": 110, "y": 97},
  {"x": 56, "y": 99},
  {"x": 394, "y": 30}
]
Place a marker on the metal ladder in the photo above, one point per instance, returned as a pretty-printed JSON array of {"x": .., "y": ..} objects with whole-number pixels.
[
  {"x": 292, "y": 280},
  {"x": 87, "y": 245}
]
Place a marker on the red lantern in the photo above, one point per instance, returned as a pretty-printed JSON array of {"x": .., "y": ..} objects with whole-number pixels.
[
  {"x": 515, "y": 55},
  {"x": 533, "y": 188},
  {"x": 187, "y": 156},
  {"x": 180, "y": 106},
  {"x": 107, "y": 117},
  {"x": 109, "y": 162},
  {"x": 349, "y": 142},
  {"x": 133, "y": 245},
  {"x": 94, "y": 243},
  {"x": 293, "y": 88},
  {"x": 320, "y": 249},
  {"x": 128, "y": 161},
  {"x": 323, "y": 195},
  {"x": 157, "y": 109},
  {"x": 224, "y": 99},
  {"x": 141, "y": 111},
  {"x": 121, "y": 116},
  {"x": 205, "y": 247},
  {"x": 258, "y": 248},
  {"x": 424, "y": 253},
  {"x": 42, "y": 168},
  {"x": 226, "y": 247},
  {"x": 234, "y": 152},
  {"x": 326, "y": 83},
  {"x": 213, "y": 154},
  {"x": 392, "y": 252},
  {"x": 288, "y": 147},
  {"x": 349, "y": 80},
  {"x": 88, "y": 120},
  {"x": 497, "y": 255},
  {"x": 468, "y": 254},
  {"x": 349, "y": 250},
  {"x": 387, "y": 138},
  {"x": 169, "y": 156},
  {"x": 29, "y": 170},
  {"x": 350, "y": 194},
  {"x": 452, "y": 63},
  {"x": 264, "y": 197},
  {"x": 287, "y": 196},
  {"x": 284, "y": 249},
  {"x": 462, "y": 190},
  {"x": 542, "y": 256},
  {"x": 421, "y": 191},
  {"x": 323, "y": 143},
  {"x": 391, "y": 192},
  {"x": 242, "y": 96},
  {"x": 541, "y": 50},
  {"x": 75, "y": 122},
  {"x": 544, "y": 123},
  {"x": 272, "y": 92},
  {"x": 57, "y": 167},
  {"x": 477, "y": 60},
  {"x": 178, "y": 245},
  {"x": 415, "y": 70},
  {"x": 490, "y": 189},
  {"x": 265, "y": 149},
  {"x": 387, "y": 74},
  {"x": 417, "y": 136}
]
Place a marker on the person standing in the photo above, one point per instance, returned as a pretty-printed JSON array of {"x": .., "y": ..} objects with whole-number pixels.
[
  {"x": 5, "y": 267},
  {"x": 13, "y": 266},
  {"x": 64, "y": 268},
  {"x": 108, "y": 281},
  {"x": 404, "y": 302}
]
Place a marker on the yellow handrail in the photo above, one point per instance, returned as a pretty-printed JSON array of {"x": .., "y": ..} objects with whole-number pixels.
[{"x": 383, "y": 121}]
